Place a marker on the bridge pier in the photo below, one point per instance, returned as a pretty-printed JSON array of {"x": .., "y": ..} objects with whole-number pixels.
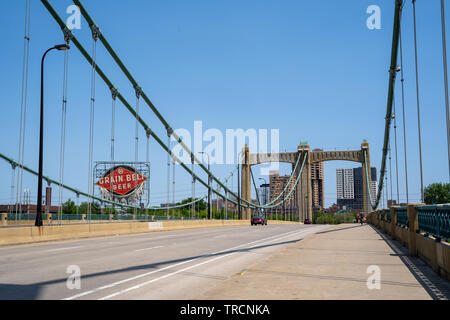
[
  {"x": 245, "y": 182},
  {"x": 304, "y": 188},
  {"x": 303, "y": 193},
  {"x": 367, "y": 183}
]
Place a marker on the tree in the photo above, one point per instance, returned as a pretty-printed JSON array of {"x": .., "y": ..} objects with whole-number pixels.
[
  {"x": 95, "y": 208},
  {"x": 69, "y": 207},
  {"x": 437, "y": 193}
]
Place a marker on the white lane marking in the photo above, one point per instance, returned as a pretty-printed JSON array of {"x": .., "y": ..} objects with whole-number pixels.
[
  {"x": 165, "y": 268},
  {"x": 148, "y": 248},
  {"x": 190, "y": 267},
  {"x": 66, "y": 248}
]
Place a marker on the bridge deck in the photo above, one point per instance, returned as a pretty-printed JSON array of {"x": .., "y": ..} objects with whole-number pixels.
[{"x": 332, "y": 264}]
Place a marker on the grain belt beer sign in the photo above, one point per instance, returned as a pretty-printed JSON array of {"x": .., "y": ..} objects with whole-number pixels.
[{"x": 123, "y": 184}]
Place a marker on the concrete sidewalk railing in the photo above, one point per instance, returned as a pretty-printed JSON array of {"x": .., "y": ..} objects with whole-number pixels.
[
  {"x": 430, "y": 250},
  {"x": 18, "y": 235}
]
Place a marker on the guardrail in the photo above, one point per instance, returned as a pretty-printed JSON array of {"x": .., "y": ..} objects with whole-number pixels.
[
  {"x": 423, "y": 229},
  {"x": 402, "y": 216},
  {"x": 13, "y": 219},
  {"x": 434, "y": 220}
]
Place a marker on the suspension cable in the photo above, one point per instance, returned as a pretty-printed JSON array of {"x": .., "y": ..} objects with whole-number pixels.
[
  {"x": 392, "y": 76},
  {"x": 390, "y": 168},
  {"x": 168, "y": 174},
  {"x": 254, "y": 185},
  {"x": 23, "y": 106},
  {"x": 95, "y": 31},
  {"x": 136, "y": 146},
  {"x": 396, "y": 152},
  {"x": 444, "y": 58},
  {"x": 114, "y": 93},
  {"x": 417, "y": 96},
  {"x": 78, "y": 192},
  {"x": 165, "y": 147},
  {"x": 193, "y": 187},
  {"x": 13, "y": 173},
  {"x": 147, "y": 159},
  {"x": 63, "y": 128},
  {"x": 403, "y": 111},
  {"x": 173, "y": 182}
]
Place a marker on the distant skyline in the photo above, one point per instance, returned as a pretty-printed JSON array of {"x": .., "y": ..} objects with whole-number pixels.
[{"x": 311, "y": 69}]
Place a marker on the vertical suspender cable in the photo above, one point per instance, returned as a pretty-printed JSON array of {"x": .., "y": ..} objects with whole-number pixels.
[
  {"x": 390, "y": 169},
  {"x": 396, "y": 151},
  {"x": 387, "y": 194},
  {"x": 193, "y": 187},
  {"x": 444, "y": 56},
  {"x": 147, "y": 159},
  {"x": 173, "y": 184},
  {"x": 168, "y": 175},
  {"x": 136, "y": 145},
  {"x": 417, "y": 96},
  {"x": 403, "y": 114},
  {"x": 23, "y": 106},
  {"x": 232, "y": 189},
  {"x": 91, "y": 127},
  {"x": 63, "y": 131},
  {"x": 13, "y": 174},
  {"x": 114, "y": 93}
]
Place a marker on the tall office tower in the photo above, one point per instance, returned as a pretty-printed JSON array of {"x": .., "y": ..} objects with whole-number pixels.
[
  {"x": 263, "y": 192},
  {"x": 344, "y": 184},
  {"x": 317, "y": 184},
  {"x": 374, "y": 187},
  {"x": 349, "y": 187},
  {"x": 358, "y": 181}
]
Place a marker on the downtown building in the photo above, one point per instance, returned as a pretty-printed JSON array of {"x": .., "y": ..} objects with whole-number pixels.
[
  {"x": 276, "y": 186},
  {"x": 278, "y": 183},
  {"x": 317, "y": 184},
  {"x": 349, "y": 187}
]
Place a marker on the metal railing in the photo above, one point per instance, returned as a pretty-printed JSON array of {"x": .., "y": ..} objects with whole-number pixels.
[
  {"x": 434, "y": 220},
  {"x": 402, "y": 216}
]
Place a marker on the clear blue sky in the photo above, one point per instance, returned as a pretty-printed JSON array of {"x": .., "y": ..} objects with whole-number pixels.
[{"x": 309, "y": 68}]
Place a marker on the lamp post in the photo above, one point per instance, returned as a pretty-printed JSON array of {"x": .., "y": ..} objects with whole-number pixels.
[
  {"x": 209, "y": 186},
  {"x": 38, "y": 221}
]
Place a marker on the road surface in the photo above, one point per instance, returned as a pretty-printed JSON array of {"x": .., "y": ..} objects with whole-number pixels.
[{"x": 159, "y": 265}]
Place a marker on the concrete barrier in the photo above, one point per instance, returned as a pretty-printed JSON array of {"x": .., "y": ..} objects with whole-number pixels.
[{"x": 18, "y": 235}]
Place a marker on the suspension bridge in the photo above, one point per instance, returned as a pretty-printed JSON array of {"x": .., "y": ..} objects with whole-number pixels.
[{"x": 118, "y": 193}]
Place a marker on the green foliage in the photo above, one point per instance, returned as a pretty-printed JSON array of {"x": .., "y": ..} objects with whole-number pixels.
[
  {"x": 95, "y": 208},
  {"x": 69, "y": 207},
  {"x": 324, "y": 218},
  {"x": 437, "y": 193}
]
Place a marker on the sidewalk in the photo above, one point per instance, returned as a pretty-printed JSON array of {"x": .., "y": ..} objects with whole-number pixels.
[{"x": 332, "y": 264}]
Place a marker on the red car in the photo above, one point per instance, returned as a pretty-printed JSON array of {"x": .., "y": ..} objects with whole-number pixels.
[
  {"x": 307, "y": 221},
  {"x": 259, "y": 220}
]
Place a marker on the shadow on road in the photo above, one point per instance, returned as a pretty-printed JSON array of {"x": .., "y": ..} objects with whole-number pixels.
[
  {"x": 437, "y": 287},
  {"x": 32, "y": 291}
]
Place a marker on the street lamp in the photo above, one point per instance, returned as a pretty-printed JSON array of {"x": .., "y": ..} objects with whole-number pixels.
[
  {"x": 209, "y": 186},
  {"x": 38, "y": 221}
]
